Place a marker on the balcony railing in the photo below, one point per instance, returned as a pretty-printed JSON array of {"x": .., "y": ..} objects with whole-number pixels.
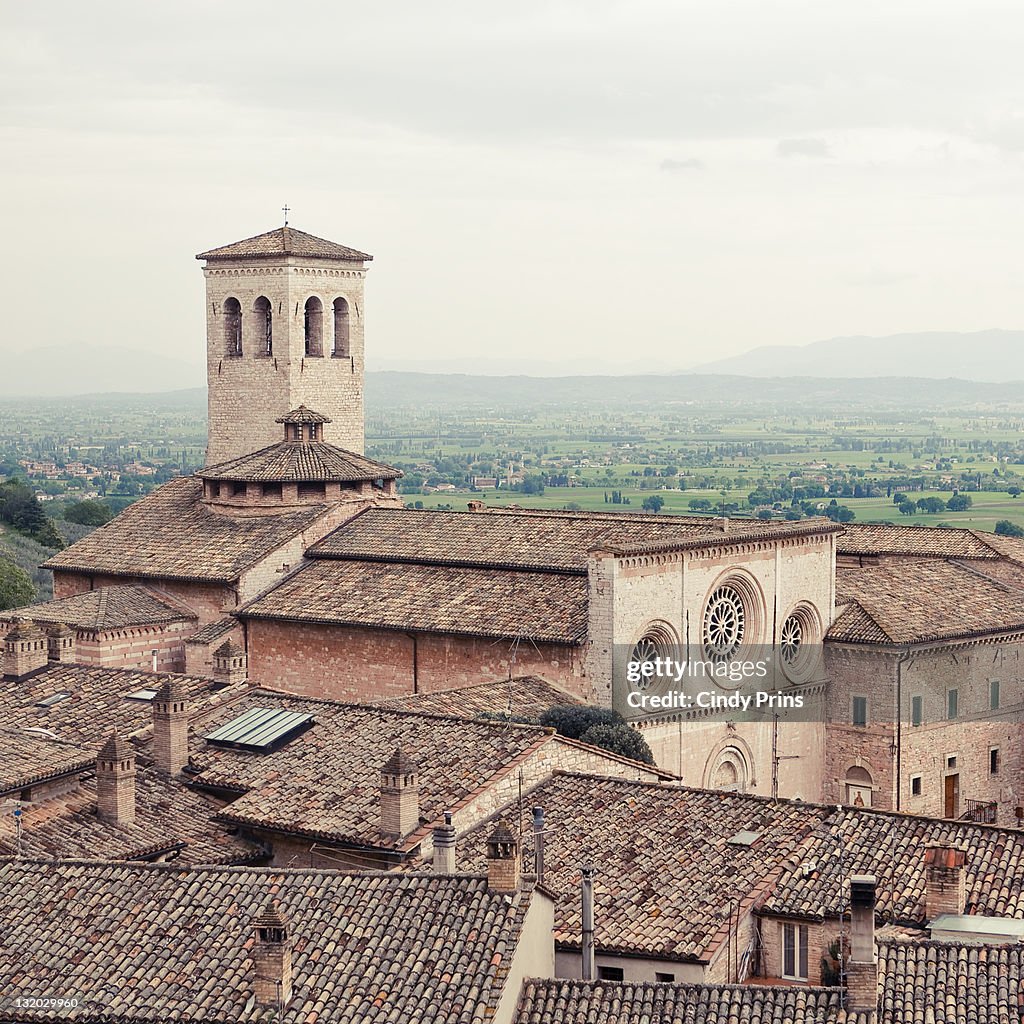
[{"x": 981, "y": 811}]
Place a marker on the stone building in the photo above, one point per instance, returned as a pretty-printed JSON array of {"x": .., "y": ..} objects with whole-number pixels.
[{"x": 295, "y": 547}]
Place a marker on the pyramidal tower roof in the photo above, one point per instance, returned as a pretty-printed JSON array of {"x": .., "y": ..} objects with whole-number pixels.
[{"x": 284, "y": 241}]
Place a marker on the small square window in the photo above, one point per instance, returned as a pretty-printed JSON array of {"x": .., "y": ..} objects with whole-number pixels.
[
  {"x": 993, "y": 761},
  {"x": 610, "y": 973},
  {"x": 915, "y": 785},
  {"x": 951, "y": 761},
  {"x": 993, "y": 694},
  {"x": 662, "y": 976},
  {"x": 916, "y": 710},
  {"x": 952, "y": 703},
  {"x": 860, "y": 711}
]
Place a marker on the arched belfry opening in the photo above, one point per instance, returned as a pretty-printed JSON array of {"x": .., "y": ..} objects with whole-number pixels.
[
  {"x": 314, "y": 326},
  {"x": 341, "y": 335},
  {"x": 264, "y": 317},
  {"x": 232, "y": 327}
]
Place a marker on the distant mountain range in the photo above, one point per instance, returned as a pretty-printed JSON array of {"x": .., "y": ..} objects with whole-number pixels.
[
  {"x": 56, "y": 371},
  {"x": 981, "y": 356},
  {"x": 995, "y": 357}
]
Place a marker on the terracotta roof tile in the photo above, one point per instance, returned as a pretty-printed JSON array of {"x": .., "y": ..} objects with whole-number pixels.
[
  {"x": 525, "y": 697},
  {"x": 28, "y": 757},
  {"x": 462, "y": 601},
  {"x": 301, "y": 461},
  {"x": 667, "y": 873},
  {"x": 285, "y": 241},
  {"x": 159, "y": 943},
  {"x": 605, "y": 1002},
  {"x": 146, "y": 538},
  {"x": 107, "y": 609},
  {"x": 915, "y": 600},
  {"x": 169, "y": 818},
  {"x": 513, "y": 539},
  {"x": 303, "y": 415},
  {"x": 325, "y": 783},
  {"x": 213, "y": 631},
  {"x": 917, "y": 541}
]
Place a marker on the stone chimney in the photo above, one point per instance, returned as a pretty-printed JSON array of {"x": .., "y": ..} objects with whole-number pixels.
[
  {"x": 502, "y": 860},
  {"x": 60, "y": 642},
  {"x": 944, "y": 881},
  {"x": 115, "y": 781},
  {"x": 399, "y": 796},
  {"x": 230, "y": 663},
  {"x": 170, "y": 727},
  {"x": 272, "y": 958},
  {"x": 25, "y": 650},
  {"x": 862, "y": 976},
  {"x": 444, "y": 846}
]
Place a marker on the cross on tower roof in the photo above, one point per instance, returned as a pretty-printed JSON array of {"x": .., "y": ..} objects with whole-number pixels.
[{"x": 284, "y": 210}]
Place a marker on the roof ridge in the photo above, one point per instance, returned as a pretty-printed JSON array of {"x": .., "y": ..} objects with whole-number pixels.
[{"x": 871, "y": 616}]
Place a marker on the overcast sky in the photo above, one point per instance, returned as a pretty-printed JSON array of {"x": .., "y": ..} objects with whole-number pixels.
[{"x": 656, "y": 182}]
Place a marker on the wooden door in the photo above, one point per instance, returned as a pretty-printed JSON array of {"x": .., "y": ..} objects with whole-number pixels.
[{"x": 952, "y": 796}]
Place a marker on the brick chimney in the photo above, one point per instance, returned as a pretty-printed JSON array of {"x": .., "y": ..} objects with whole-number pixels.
[
  {"x": 25, "y": 650},
  {"x": 502, "y": 860},
  {"x": 399, "y": 796},
  {"x": 272, "y": 958},
  {"x": 444, "y": 846},
  {"x": 115, "y": 781},
  {"x": 61, "y": 642},
  {"x": 862, "y": 976},
  {"x": 944, "y": 881},
  {"x": 170, "y": 727},
  {"x": 230, "y": 663}
]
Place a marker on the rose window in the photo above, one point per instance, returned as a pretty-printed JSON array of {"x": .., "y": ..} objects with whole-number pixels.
[
  {"x": 645, "y": 651},
  {"x": 724, "y": 624},
  {"x": 791, "y": 640}
]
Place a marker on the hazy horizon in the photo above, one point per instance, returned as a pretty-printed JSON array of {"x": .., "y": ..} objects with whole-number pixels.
[{"x": 630, "y": 183}]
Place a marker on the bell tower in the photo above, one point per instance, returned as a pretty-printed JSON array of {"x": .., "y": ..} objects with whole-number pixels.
[{"x": 284, "y": 328}]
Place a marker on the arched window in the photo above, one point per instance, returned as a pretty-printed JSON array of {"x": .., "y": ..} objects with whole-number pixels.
[
  {"x": 264, "y": 325},
  {"x": 341, "y": 328},
  {"x": 731, "y": 772},
  {"x": 232, "y": 327},
  {"x": 314, "y": 326}
]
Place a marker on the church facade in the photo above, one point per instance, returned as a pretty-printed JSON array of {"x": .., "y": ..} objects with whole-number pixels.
[{"x": 295, "y": 545}]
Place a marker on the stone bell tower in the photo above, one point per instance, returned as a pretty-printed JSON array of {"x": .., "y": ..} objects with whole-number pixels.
[{"x": 284, "y": 328}]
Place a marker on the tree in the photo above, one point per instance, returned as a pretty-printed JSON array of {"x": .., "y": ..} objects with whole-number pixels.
[
  {"x": 89, "y": 513},
  {"x": 959, "y": 503},
  {"x": 1007, "y": 529},
  {"x": 700, "y": 504},
  {"x": 573, "y": 720},
  {"x": 15, "y": 586},
  {"x": 653, "y": 503},
  {"x": 931, "y": 505},
  {"x": 764, "y": 513},
  {"x": 1014, "y": 491},
  {"x": 619, "y": 739},
  {"x": 907, "y": 508}
]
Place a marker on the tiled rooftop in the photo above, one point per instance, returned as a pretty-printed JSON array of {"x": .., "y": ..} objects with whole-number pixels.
[
  {"x": 290, "y": 461},
  {"x": 213, "y": 631},
  {"x": 169, "y": 819},
  {"x": 157, "y": 943},
  {"x": 667, "y": 874},
  {"x": 914, "y": 600},
  {"x": 325, "y": 783},
  {"x": 892, "y": 848},
  {"x": 284, "y": 241},
  {"x": 525, "y": 697},
  {"x": 436, "y": 599},
  {"x": 146, "y": 538},
  {"x": 26, "y": 758},
  {"x": 98, "y": 701},
  {"x": 105, "y": 610},
  {"x": 605, "y": 1002},
  {"x": 919, "y": 541},
  {"x": 514, "y": 539}
]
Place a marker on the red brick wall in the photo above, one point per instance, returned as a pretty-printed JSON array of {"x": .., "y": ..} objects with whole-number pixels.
[{"x": 366, "y": 664}]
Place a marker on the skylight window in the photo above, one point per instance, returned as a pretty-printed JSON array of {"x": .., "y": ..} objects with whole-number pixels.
[
  {"x": 54, "y": 698},
  {"x": 745, "y": 837},
  {"x": 141, "y": 695},
  {"x": 261, "y": 729}
]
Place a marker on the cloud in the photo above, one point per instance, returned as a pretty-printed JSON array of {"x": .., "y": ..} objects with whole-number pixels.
[
  {"x": 676, "y": 166},
  {"x": 803, "y": 147}
]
